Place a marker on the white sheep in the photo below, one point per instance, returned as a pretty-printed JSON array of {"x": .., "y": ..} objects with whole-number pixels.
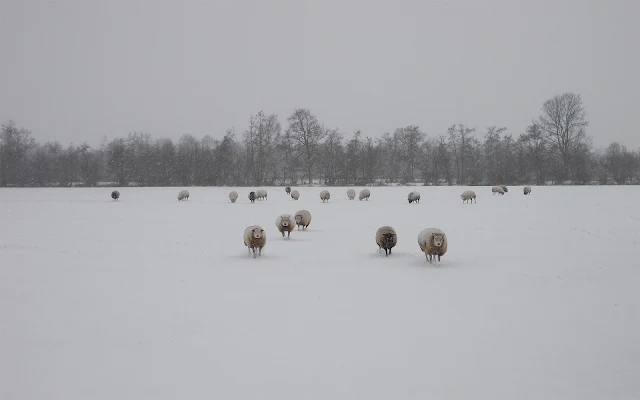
[
  {"x": 433, "y": 242},
  {"x": 233, "y": 196},
  {"x": 255, "y": 238},
  {"x": 183, "y": 195},
  {"x": 527, "y": 190},
  {"x": 115, "y": 195},
  {"x": 497, "y": 189},
  {"x": 295, "y": 194},
  {"x": 285, "y": 223},
  {"x": 261, "y": 194},
  {"x": 468, "y": 195},
  {"x": 351, "y": 194},
  {"x": 386, "y": 238},
  {"x": 414, "y": 197},
  {"x": 325, "y": 195},
  {"x": 303, "y": 219},
  {"x": 364, "y": 194}
]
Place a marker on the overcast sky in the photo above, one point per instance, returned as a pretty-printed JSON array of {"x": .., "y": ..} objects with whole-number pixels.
[{"x": 76, "y": 71}]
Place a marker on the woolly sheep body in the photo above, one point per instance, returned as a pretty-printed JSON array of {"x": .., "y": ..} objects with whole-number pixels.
[
  {"x": 255, "y": 238},
  {"x": 527, "y": 190},
  {"x": 427, "y": 240},
  {"x": 233, "y": 196},
  {"x": 261, "y": 194},
  {"x": 504, "y": 188},
  {"x": 183, "y": 195},
  {"x": 287, "y": 190},
  {"x": 351, "y": 194},
  {"x": 364, "y": 194},
  {"x": 285, "y": 223},
  {"x": 295, "y": 194},
  {"x": 386, "y": 238},
  {"x": 325, "y": 195},
  {"x": 414, "y": 197},
  {"x": 115, "y": 195},
  {"x": 303, "y": 219},
  {"x": 468, "y": 195},
  {"x": 497, "y": 189},
  {"x": 252, "y": 196}
]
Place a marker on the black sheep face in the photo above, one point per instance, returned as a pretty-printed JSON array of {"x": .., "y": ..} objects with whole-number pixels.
[
  {"x": 115, "y": 195},
  {"x": 388, "y": 238}
]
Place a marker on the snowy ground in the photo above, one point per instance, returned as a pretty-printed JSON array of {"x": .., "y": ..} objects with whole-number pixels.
[{"x": 538, "y": 296}]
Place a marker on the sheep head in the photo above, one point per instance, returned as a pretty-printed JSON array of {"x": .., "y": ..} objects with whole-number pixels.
[
  {"x": 437, "y": 239},
  {"x": 257, "y": 233}
]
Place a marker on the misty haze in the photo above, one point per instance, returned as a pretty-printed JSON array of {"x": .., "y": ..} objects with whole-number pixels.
[{"x": 322, "y": 199}]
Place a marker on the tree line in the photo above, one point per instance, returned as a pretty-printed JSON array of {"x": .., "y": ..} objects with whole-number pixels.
[{"x": 554, "y": 149}]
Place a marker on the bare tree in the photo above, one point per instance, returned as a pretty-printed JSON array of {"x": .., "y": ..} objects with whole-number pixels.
[
  {"x": 563, "y": 123},
  {"x": 307, "y": 133}
]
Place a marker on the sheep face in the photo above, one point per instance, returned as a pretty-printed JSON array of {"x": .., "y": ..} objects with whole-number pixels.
[
  {"x": 285, "y": 221},
  {"x": 298, "y": 219},
  {"x": 388, "y": 238},
  {"x": 437, "y": 240},
  {"x": 257, "y": 233}
]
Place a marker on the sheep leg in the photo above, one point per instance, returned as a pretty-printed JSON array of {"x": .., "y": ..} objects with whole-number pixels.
[
  {"x": 288, "y": 234},
  {"x": 386, "y": 253},
  {"x": 254, "y": 252},
  {"x": 260, "y": 251}
]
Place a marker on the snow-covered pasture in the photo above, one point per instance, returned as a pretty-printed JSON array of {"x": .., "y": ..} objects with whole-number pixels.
[{"x": 538, "y": 296}]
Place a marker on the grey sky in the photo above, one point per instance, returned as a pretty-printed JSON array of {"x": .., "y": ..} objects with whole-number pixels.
[{"x": 79, "y": 70}]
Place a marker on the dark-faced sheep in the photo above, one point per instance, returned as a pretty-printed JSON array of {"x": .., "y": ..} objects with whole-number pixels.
[
  {"x": 183, "y": 195},
  {"x": 497, "y": 189},
  {"x": 468, "y": 195},
  {"x": 285, "y": 223},
  {"x": 433, "y": 242},
  {"x": 233, "y": 196},
  {"x": 414, "y": 197},
  {"x": 325, "y": 196},
  {"x": 364, "y": 194},
  {"x": 504, "y": 188},
  {"x": 303, "y": 219},
  {"x": 255, "y": 238},
  {"x": 351, "y": 194},
  {"x": 252, "y": 197},
  {"x": 386, "y": 238},
  {"x": 527, "y": 190},
  {"x": 287, "y": 190},
  {"x": 115, "y": 195}
]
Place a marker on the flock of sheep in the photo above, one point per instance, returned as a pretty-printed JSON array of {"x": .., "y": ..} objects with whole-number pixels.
[{"x": 432, "y": 241}]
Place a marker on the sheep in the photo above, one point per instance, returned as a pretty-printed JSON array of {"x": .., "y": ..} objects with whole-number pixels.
[
  {"x": 285, "y": 224},
  {"x": 468, "y": 195},
  {"x": 504, "y": 188},
  {"x": 233, "y": 196},
  {"x": 303, "y": 219},
  {"x": 252, "y": 196},
  {"x": 386, "y": 238},
  {"x": 115, "y": 195},
  {"x": 414, "y": 197},
  {"x": 183, "y": 195},
  {"x": 325, "y": 195},
  {"x": 287, "y": 190},
  {"x": 255, "y": 238},
  {"x": 261, "y": 194},
  {"x": 497, "y": 189},
  {"x": 351, "y": 194},
  {"x": 433, "y": 242},
  {"x": 527, "y": 190},
  {"x": 364, "y": 194},
  {"x": 295, "y": 194}
]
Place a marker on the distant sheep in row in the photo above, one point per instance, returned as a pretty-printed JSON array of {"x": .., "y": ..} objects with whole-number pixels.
[
  {"x": 414, "y": 197},
  {"x": 325, "y": 196},
  {"x": 183, "y": 195},
  {"x": 386, "y": 238},
  {"x": 351, "y": 194},
  {"x": 115, "y": 195},
  {"x": 255, "y": 238},
  {"x": 497, "y": 189},
  {"x": 287, "y": 190},
  {"x": 295, "y": 194},
  {"x": 252, "y": 197},
  {"x": 261, "y": 194},
  {"x": 233, "y": 196},
  {"x": 527, "y": 190},
  {"x": 468, "y": 195},
  {"x": 364, "y": 194},
  {"x": 285, "y": 224},
  {"x": 303, "y": 219},
  {"x": 433, "y": 242}
]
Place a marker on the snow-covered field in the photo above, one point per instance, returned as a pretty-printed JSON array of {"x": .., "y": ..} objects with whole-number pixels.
[{"x": 538, "y": 296}]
